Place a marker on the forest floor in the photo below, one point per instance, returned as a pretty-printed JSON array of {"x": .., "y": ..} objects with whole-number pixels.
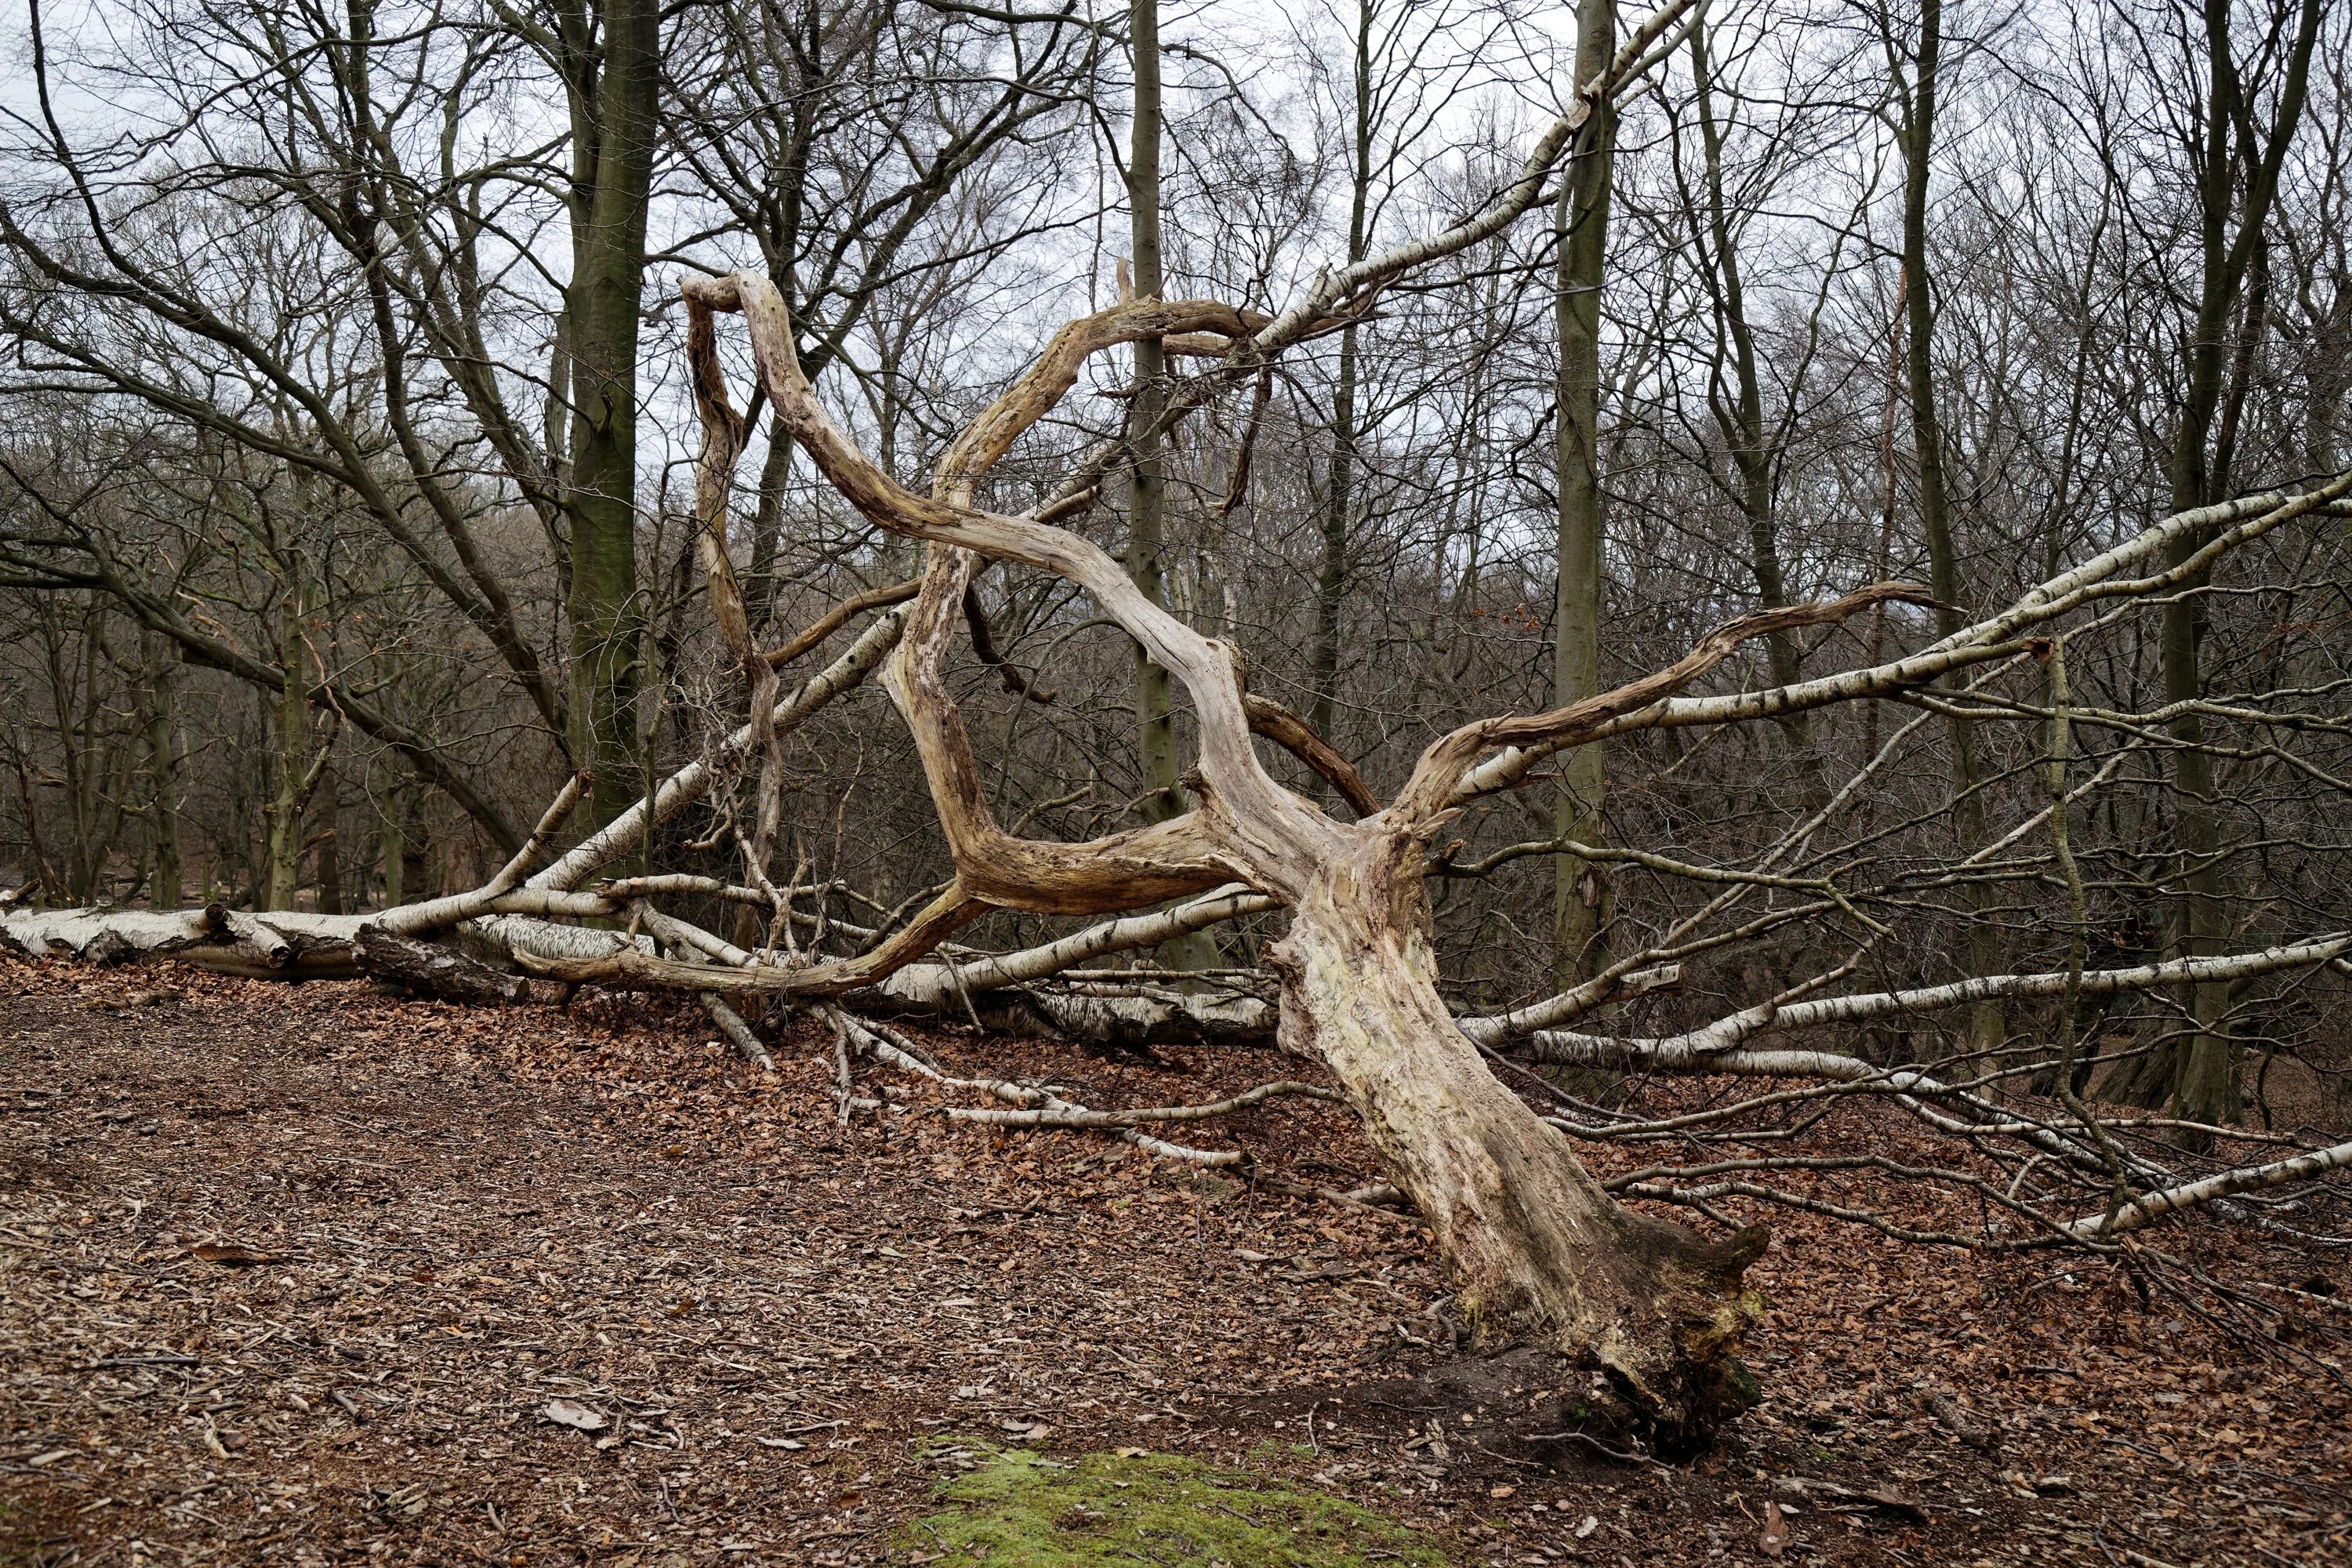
[{"x": 312, "y": 1274}]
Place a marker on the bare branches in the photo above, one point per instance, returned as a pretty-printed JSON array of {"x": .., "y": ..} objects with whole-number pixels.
[
  {"x": 1039, "y": 1107},
  {"x": 2147, "y": 1206},
  {"x": 2224, "y": 527},
  {"x": 1693, "y": 1051},
  {"x": 840, "y": 616},
  {"x": 1297, "y": 736},
  {"x": 689, "y": 783},
  {"x": 416, "y": 920},
  {"x": 1437, "y": 778}
]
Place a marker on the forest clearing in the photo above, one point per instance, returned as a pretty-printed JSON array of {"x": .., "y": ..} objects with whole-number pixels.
[{"x": 471, "y": 1216}]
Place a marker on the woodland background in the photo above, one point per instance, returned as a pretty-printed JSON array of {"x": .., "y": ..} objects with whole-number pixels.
[{"x": 345, "y": 491}]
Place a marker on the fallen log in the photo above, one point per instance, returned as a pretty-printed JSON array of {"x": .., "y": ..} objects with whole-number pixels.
[
  {"x": 280, "y": 945},
  {"x": 428, "y": 969}
]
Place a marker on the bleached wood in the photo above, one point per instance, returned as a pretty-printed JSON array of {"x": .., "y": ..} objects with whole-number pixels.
[{"x": 2148, "y": 1207}]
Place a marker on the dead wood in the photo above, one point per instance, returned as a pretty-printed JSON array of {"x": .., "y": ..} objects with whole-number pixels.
[{"x": 427, "y": 969}]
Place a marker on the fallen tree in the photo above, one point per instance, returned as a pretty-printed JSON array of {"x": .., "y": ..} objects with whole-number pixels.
[{"x": 1539, "y": 1248}]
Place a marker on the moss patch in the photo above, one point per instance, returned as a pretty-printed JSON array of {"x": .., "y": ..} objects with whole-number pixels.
[{"x": 1015, "y": 1506}]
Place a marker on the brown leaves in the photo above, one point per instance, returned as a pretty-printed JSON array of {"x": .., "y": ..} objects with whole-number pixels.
[
  {"x": 1775, "y": 1537},
  {"x": 1851, "y": 1498},
  {"x": 560, "y": 1242},
  {"x": 232, "y": 1255},
  {"x": 151, "y": 998}
]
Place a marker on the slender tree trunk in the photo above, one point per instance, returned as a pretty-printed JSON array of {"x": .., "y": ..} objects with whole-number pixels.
[
  {"x": 614, "y": 111},
  {"x": 327, "y": 867},
  {"x": 1987, "y": 1027},
  {"x": 1742, "y": 423},
  {"x": 1147, "y": 519},
  {"x": 1580, "y": 905},
  {"x": 2236, "y": 178},
  {"x": 1155, "y": 719},
  {"x": 768, "y": 526},
  {"x": 392, "y": 839},
  {"x": 162, "y": 774},
  {"x": 281, "y": 860},
  {"x": 1338, "y": 512}
]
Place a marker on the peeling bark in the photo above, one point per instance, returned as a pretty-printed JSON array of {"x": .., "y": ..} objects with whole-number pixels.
[
  {"x": 1537, "y": 1249},
  {"x": 281, "y": 945},
  {"x": 1535, "y": 1242},
  {"x": 424, "y": 969}
]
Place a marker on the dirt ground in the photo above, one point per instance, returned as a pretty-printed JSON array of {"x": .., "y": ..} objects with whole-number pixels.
[{"x": 301, "y": 1274}]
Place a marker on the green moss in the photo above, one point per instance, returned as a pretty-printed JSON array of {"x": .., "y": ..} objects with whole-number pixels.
[{"x": 1018, "y": 1506}]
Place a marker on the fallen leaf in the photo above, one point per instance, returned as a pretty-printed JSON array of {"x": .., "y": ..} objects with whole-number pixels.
[
  {"x": 1500, "y": 1492},
  {"x": 1586, "y": 1525},
  {"x": 568, "y": 1412},
  {"x": 1776, "y": 1531}
]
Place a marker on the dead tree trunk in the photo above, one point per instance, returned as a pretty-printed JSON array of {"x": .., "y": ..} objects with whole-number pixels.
[
  {"x": 1539, "y": 1250},
  {"x": 1535, "y": 1247}
]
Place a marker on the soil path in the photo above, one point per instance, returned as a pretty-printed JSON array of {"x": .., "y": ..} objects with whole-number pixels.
[{"x": 300, "y": 1275}]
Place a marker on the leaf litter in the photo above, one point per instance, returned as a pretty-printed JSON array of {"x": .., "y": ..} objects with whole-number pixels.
[{"x": 452, "y": 1224}]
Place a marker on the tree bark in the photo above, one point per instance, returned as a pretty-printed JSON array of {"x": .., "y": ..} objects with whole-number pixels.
[
  {"x": 1537, "y": 1248},
  {"x": 391, "y": 838},
  {"x": 1338, "y": 502},
  {"x": 1582, "y": 232},
  {"x": 1741, "y": 421},
  {"x": 277, "y": 946},
  {"x": 1146, "y": 517},
  {"x": 1155, "y": 717},
  {"x": 289, "y": 792},
  {"x": 615, "y": 100},
  {"x": 427, "y": 969},
  {"x": 1987, "y": 1027},
  {"x": 2203, "y": 1083},
  {"x": 164, "y": 886}
]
